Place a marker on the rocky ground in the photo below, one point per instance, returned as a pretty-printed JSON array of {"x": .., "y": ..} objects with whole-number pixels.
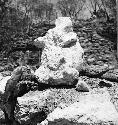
[
  {"x": 100, "y": 51},
  {"x": 48, "y": 105}
]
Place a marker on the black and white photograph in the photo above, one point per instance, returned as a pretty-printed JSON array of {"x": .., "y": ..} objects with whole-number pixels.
[{"x": 58, "y": 62}]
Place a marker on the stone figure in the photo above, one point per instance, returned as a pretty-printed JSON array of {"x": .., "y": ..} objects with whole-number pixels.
[{"x": 62, "y": 54}]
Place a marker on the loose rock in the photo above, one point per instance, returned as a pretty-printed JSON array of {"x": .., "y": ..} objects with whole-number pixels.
[
  {"x": 91, "y": 109},
  {"x": 82, "y": 86}
]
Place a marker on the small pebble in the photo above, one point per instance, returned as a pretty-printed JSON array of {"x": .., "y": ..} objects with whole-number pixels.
[{"x": 82, "y": 86}]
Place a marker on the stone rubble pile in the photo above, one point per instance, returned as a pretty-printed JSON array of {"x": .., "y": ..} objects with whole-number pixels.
[{"x": 97, "y": 50}]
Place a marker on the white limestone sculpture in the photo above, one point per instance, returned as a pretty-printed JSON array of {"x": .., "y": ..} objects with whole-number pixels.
[{"x": 62, "y": 54}]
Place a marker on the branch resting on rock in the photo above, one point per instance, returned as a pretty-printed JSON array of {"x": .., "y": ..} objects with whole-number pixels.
[{"x": 16, "y": 87}]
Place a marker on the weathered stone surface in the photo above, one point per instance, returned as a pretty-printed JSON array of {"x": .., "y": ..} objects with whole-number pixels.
[
  {"x": 31, "y": 107},
  {"x": 68, "y": 106},
  {"x": 34, "y": 106},
  {"x": 62, "y": 54},
  {"x": 90, "y": 109},
  {"x": 3, "y": 82}
]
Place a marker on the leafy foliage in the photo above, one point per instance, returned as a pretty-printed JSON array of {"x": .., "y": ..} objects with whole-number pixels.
[
  {"x": 17, "y": 20},
  {"x": 70, "y": 7}
]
